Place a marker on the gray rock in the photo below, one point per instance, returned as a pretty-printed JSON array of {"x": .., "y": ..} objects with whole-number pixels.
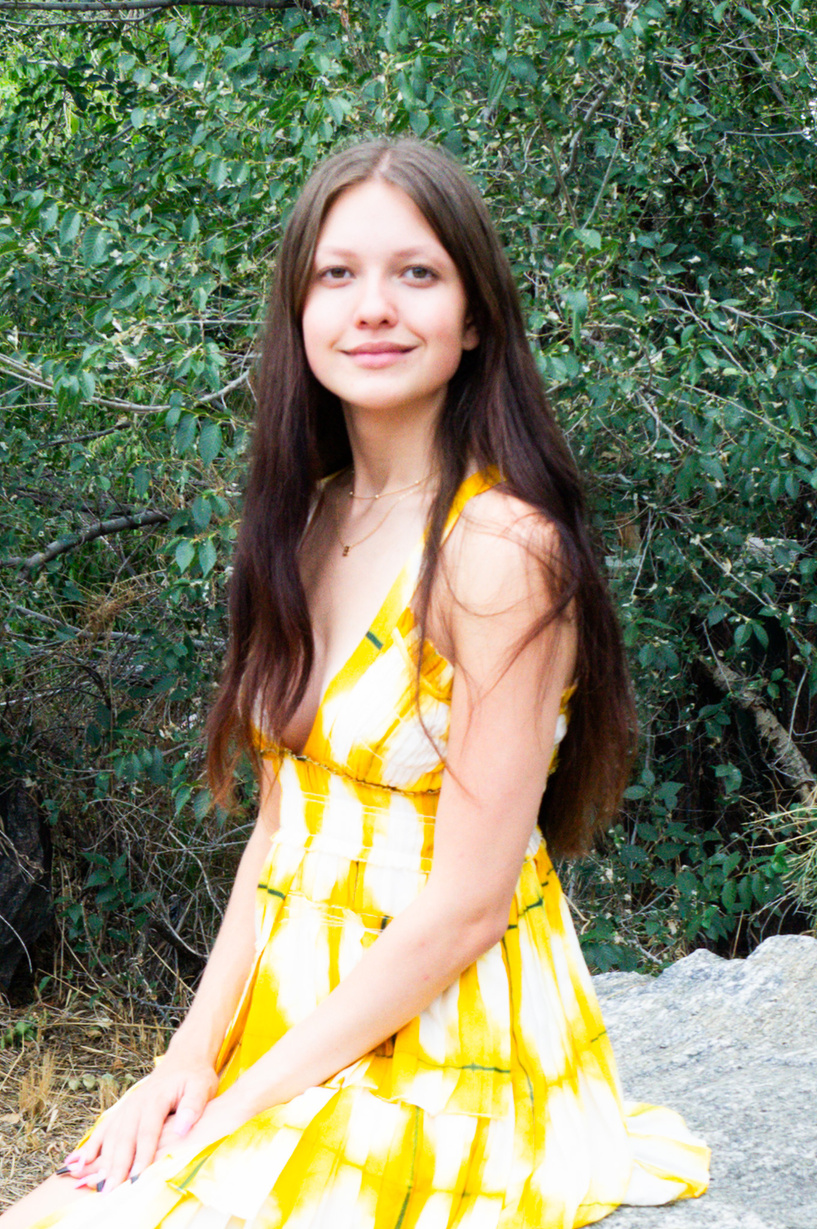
[{"x": 732, "y": 1045}]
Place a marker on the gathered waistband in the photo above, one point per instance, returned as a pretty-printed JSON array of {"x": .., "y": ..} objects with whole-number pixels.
[{"x": 379, "y": 854}]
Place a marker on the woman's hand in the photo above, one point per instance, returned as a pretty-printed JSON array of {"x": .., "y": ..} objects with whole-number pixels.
[
  {"x": 221, "y": 1117},
  {"x": 165, "y": 1106}
]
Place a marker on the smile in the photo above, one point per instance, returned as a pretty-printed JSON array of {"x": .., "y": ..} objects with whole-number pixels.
[{"x": 377, "y": 354}]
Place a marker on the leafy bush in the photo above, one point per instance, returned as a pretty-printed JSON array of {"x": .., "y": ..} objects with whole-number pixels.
[{"x": 652, "y": 170}]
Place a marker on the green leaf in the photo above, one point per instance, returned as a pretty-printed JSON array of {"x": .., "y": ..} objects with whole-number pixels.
[
  {"x": 741, "y": 634},
  {"x": 48, "y": 216},
  {"x": 202, "y": 512},
  {"x": 576, "y": 300},
  {"x": 210, "y": 441},
  {"x": 69, "y": 226},
  {"x": 185, "y": 433},
  {"x": 590, "y": 239},
  {"x": 218, "y": 173},
  {"x": 181, "y": 797},
  {"x": 95, "y": 246},
  {"x": 87, "y": 384},
  {"x": 137, "y": 117},
  {"x": 419, "y": 122},
  {"x": 140, "y": 477},
  {"x": 498, "y": 84},
  {"x": 202, "y": 803},
  {"x": 185, "y": 553},
  {"x": 207, "y": 557}
]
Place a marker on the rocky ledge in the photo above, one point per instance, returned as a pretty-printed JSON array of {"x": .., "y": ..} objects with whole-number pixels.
[{"x": 732, "y": 1045}]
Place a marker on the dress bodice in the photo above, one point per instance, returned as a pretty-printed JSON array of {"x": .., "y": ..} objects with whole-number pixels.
[{"x": 380, "y": 720}]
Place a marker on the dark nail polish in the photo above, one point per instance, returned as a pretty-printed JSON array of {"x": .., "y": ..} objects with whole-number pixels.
[
  {"x": 134, "y": 1177},
  {"x": 62, "y": 1170},
  {"x": 100, "y": 1186}
]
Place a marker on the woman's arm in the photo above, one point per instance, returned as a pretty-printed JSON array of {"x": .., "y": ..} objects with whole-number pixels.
[
  {"x": 503, "y": 721},
  {"x": 125, "y": 1140}
]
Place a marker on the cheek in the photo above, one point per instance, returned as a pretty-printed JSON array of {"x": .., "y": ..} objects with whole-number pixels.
[
  {"x": 314, "y": 332},
  {"x": 450, "y": 332}
]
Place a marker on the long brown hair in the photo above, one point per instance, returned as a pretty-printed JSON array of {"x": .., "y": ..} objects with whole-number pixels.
[{"x": 495, "y": 412}]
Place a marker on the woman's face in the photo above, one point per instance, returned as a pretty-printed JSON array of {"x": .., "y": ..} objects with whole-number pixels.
[{"x": 385, "y": 320}]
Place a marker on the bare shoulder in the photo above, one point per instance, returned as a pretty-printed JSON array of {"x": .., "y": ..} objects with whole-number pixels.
[{"x": 501, "y": 552}]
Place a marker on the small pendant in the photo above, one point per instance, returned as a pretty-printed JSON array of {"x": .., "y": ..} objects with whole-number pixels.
[{"x": 345, "y": 551}]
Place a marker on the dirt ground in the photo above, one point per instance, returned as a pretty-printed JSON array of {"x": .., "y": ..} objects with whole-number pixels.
[{"x": 60, "y": 1065}]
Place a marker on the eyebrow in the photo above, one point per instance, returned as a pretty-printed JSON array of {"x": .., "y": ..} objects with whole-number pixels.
[{"x": 403, "y": 254}]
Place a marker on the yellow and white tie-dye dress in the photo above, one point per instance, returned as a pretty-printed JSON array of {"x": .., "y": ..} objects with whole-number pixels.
[{"x": 499, "y": 1106}]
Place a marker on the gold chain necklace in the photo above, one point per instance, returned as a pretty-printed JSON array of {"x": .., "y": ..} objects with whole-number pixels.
[
  {"x": 383, "y": 494},
  {"x": 347, "y": 546}
]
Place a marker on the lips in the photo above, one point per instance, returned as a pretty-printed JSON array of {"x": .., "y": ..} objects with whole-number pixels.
[
  {"x": 377, "y": 353},
  {"x": 379, "y": 347}
]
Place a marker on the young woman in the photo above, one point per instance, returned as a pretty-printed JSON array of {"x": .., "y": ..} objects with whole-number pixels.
[{"x": 396, "y": 1027}]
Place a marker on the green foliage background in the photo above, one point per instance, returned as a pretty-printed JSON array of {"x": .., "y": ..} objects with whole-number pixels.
[{"x": 651, "y": 167}]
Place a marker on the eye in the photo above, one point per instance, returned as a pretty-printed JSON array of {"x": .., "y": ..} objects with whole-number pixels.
[
  {"x": 333, "y": 274},
  {"x": 420, "y": 274}
]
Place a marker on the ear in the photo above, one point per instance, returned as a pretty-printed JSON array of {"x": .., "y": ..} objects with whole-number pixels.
[{"x": 470, "y": 336}]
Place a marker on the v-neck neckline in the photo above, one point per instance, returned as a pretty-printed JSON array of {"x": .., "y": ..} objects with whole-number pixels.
[{"x": 394, "y": 604}]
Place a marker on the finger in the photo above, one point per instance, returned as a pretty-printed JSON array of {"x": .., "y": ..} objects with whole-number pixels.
[
  {"x": 147, "y": 1137},
  {"x": 167, "y": 1138},
  {"x": 191, "y": 1107},
  {"x": 119, "y": 1150},
  {"x": 135, "y": 1147},
  {"x": 86, "y": 1154},
  {"x": 94, "y": 1181},
  {"x": 84, "y": 1162}
]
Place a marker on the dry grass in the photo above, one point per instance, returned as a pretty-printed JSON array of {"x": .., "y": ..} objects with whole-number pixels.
[{"x": 73, "y": 1061}]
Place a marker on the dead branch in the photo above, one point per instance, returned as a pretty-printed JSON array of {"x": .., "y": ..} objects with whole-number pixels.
[
  {"x": 116, "y": 524},
  {"x": 87, "y": 633},
  {"x": 787, "y": 757},
  {"x": 172, "y": 936}
]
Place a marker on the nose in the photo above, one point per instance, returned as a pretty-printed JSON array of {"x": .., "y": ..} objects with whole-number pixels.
[{"x": 375, "y": 304}]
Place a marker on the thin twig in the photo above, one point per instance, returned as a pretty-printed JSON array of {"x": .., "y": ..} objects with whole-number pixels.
[
  {"x": 92, "y": 435},
  {"x": 85, "y": 633},
  {"x": 32, "y": 375}
]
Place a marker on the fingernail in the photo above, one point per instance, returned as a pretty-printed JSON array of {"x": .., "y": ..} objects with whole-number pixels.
[
  {"x": 100, "y": 1186},
  {"x": 134, "y": 1177},
  {"x": 182, "y": 1122},
  {"x": 64, "y": 1169}
]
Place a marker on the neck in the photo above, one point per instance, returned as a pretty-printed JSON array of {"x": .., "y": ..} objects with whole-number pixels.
[{"x": 390, "y": 451}]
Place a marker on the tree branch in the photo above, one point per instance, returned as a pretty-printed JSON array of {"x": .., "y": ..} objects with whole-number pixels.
[
  {"x": 91, "y": 435},
  {"x": 87, "y": 633},
  {"x": 789, "y": 759},
  {"x": 32, "y": 375},
  {"x": 772, "y": 84},
  {"x": 173, "y": 937},
  {"x": 117, "y": 524},
  {"x": 117, "y": 6}
]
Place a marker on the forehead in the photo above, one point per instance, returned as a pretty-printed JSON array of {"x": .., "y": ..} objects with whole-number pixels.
[{"x": 375, "y": 215}]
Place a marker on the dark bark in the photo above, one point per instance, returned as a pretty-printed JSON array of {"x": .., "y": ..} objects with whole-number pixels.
[{"x": 26, "y": 909}]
